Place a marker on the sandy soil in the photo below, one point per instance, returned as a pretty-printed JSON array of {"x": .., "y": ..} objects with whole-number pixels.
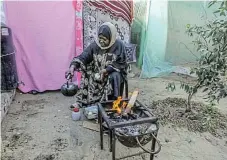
[{"x": 39, "y": 127}]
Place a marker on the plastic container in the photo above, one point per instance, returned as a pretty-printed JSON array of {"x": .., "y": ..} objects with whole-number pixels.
[
  {"x": 91, "y": 112},
  {"x": 76, "y": 114}
]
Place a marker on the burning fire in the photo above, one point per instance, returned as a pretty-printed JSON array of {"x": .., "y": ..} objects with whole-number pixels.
[{"x": 117, "y": 105}]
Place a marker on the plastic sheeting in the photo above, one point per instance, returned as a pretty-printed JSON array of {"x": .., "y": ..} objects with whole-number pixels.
[
  {"x": 44, "y": 37},
  {"x": 154, "y": 63},
  {"x": 139, "y": 26},
  {"x": 164, "y": 46}
]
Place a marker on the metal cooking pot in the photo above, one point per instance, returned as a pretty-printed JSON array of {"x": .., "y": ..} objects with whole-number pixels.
[{"x": 69, "y": 88}]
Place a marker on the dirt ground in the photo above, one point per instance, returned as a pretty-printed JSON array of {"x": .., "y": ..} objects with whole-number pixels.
[{"x": 39, "y": 127}]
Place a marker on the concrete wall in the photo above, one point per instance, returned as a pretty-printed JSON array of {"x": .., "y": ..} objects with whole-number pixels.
[{"x": 181, "y": 13}]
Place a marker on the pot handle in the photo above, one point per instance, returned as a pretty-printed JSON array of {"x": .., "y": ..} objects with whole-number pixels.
[
  {"x": 148, "y": 151},
  {"x": 68, "y": 79}
]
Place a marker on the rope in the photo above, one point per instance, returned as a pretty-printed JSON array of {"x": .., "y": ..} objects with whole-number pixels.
[{"x": 8, "y": 54}]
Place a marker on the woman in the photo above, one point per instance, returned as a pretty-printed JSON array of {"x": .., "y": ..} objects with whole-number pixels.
[
  {"x": 96, "y": 12},
  {"x": 103, "y": 66}
]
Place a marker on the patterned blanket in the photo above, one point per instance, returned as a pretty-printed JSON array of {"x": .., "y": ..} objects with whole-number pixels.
[{"x": 119, "y": 8}]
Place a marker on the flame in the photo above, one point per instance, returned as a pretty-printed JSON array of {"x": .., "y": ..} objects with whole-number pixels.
[
  {"x": 117, "y": 105},
  {"x": 124, "y": 105}
]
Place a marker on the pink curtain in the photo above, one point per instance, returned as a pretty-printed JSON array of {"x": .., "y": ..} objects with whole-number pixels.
[{"x": 44, "y": 37}]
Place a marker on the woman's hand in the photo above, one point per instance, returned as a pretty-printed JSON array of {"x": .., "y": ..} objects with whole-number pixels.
[
  {"x": 70, "y": 73},
  {"x": 104, "y": 71}
]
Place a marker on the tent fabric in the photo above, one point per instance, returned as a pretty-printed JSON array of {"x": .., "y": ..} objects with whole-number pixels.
[
  {"x": 154, "y": 64},
  {"x": 139, "y": 28},
  {"x": 122, "y": 8},
  {"x": 44, "y": 41}
]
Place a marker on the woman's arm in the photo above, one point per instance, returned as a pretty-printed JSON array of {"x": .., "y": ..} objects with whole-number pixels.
[
  {"x": 119, "y": 64},
  {"x": 84, "y": 59}
]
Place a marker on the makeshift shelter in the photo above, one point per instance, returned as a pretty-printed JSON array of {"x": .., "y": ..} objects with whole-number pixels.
[
  {"x": 159, "y": 27},
  {"x": 47, "y": 40},
  {"x": 44, "y": 43}
]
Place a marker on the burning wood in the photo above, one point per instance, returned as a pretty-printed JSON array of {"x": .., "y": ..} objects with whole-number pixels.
[
  {"x": 122, "y": 107},
  {"x": 131, "y": 102},
  {"x": 117, "y": 105}
]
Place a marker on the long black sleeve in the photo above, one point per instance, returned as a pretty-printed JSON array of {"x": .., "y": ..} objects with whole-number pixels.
[
  {"x": 86, "y": 57},
  {"x": 119, "y": 64}
]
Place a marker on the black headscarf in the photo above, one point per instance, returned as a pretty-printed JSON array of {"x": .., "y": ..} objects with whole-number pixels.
[{"x": 105, "y": 31}]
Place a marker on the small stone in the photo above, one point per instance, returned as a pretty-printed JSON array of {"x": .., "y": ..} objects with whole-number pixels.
[
  {"x": 208, "y": 139},
  {"x": 142, "y": 93},
  {"x": 80, "y": 143},
  {"x": 188, "y": 140},
  {"x": 7, "y": 143},
  {"x": 167, "y": 140}
]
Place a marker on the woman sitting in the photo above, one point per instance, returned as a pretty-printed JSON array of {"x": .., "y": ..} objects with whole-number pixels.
[{"x": 103, "y": 65}]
